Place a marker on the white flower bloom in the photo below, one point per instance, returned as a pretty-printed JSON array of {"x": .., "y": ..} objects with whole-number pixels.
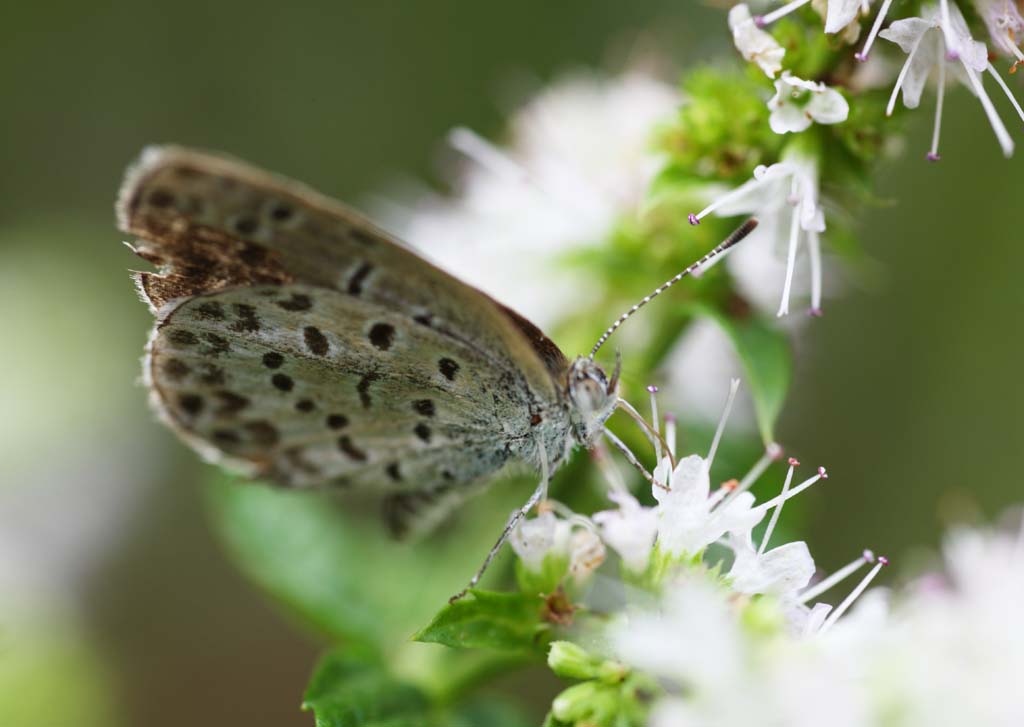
[
  {"x": 781, "y": 571},
  {"x": 586, "y": 554},
  {"x": 940, "y": 39},
  {"x": 789, "y": 185},
  {"x": 534, "y": 539},
  {"x": 754, "y": 44},
  {"x": 1005, "y": 24},
  {"x": 798, "y": 103},
  {"x": 578, "y": 158},
  {"x": 688, "y": 520},
  {"x": 630, "y": 530},
  {"x": 692, "y": 638}
]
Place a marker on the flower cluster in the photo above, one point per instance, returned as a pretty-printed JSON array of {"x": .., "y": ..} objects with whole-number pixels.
[
  {"x": 715, "y": 625},
  {"x": 693, "y": 635}
]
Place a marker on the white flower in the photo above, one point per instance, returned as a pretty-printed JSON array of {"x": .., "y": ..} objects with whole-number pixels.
[
  {"x": 630, "y": 530},
  {"x": 586, "y": 554},
  {"x": 754, "y": 44},
  {"x": 940, "y": 39},
  {"x": 785, "y": 197},
  {"x": 692, "y": 638},
  {"x": 578, "y": 158},
  {"x": 534, "y": 539},
  {"x": 1005, "y": 25},
  {"x": 688, "y": 519},
  {"x": 798, "y": 103},
  {"x": 781, "y": 571}
]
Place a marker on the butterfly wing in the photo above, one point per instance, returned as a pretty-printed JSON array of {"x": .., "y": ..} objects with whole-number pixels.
[{"x": 298, "y": 341}]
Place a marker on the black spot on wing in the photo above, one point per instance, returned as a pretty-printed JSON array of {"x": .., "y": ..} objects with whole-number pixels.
[
  {"x": 246, "y": 225},
  {"x": 161, "y": 198},
  {"x": 316, "y": 341},
  {"x": 226, "y": 437},
  {"x": 346, "y": 445},
  {"x": 363, "y": 387},
  {"x": 282, "y": 382},
  {"x": 210, "y": 310},
  {"x": 191, "y": 404},
  {"x": 382, "y": 335},
  {"x": 216, "y": 345},
  {"x": 424, "y": 407},
  {"x": 273, "y": 360},
  {"x": 448, "y": 368},
  {"x": 263, "y": 433},
  {"x": 394, "y": 472},
  {"x": 181, "y": 337},
  {"x": 337, "y": 421},
  {"x": 247, "y": 320},
  {"x": 298, "y": 302},
  {"x": 211, "y": 374},
  {"x": 305, "y": 405},
  {"x": 230, "y": 403},
  {"x": 422, "y": 431},
  {"x": 175, "y": 369},
  {"x": 355, "y": 283},
  {"x": 281, "y": 212}
]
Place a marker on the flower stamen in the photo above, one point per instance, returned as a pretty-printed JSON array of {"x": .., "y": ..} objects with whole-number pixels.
[
  {"x": 778, "y": 510},
  {"x": 763, "y": 20},
  {"x": 839, "y": 576},
  {"x": 734, "y": 386},
  {"x": 862, "y": 55},
  {"x": 854, "y": 595}
]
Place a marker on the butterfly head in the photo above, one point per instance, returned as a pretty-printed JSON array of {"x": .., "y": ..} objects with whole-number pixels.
[{"x": 593, "y": 397}]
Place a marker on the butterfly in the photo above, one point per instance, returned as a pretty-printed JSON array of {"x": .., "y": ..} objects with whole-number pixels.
[{"x": 298, "y": 343}]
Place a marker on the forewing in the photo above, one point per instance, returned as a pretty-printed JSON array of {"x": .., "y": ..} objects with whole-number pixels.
[
  {"x": 305, "y": 385},
  {"x": 252, "y": 266},
  {"x": 211, "y": 223}
]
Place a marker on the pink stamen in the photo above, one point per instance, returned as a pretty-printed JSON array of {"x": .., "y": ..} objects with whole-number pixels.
[
  {"x": 822, "y": 473},
  {"x": 793, "y": 462},
  {"x": 694, "y": 220}
]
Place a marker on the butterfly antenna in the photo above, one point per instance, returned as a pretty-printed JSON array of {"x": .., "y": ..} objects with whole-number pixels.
[{"x": 738, "y": 234}]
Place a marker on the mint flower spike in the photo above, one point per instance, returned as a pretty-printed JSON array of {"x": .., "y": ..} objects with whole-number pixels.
[
  {"x": 792, "y": 184},
  {"x": 937, "y": 38},
  {"x": 754, "y": 44},
  {"x": 1005, "y": 24}
]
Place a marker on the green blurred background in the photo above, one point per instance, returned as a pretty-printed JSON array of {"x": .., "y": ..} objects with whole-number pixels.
[{"x": 118, "y": 606}]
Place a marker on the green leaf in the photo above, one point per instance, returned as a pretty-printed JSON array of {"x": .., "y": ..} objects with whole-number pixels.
[
  {"x": 330, "y": 562},
  {"x": 767, "y": 362},
  {"x": 503, "y": 621},
  {"x": 351, "y": 689}
]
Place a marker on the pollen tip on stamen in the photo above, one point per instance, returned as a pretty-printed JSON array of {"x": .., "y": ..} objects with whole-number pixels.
[
  {"x": 759, "y": 21},
  {"x": 882, "y": 560},
  {"x": 694, "y": 219},
  {"x": 933, "y": 156},
  {"x": 952, "y": 55},
  {"x": 793, "y": 462},
  {"x": 652, "y": 389},
  {"x": 868, "y": 555},
  {"x": 822, "y": 473},
  {"x": 774, "y": 451},
  {"x": 815, "y": 312},
  {"x": 860, "y": 57},
  {"x": 730, "y": 485},
  {"x": 670, "y": 418}
]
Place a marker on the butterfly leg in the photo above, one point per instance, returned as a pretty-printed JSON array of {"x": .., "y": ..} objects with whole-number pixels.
[{"x": 541, "y": 493}]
